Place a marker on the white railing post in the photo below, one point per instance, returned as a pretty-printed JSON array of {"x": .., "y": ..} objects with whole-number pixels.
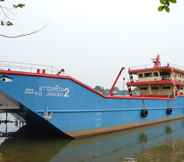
[{"x": 27, "y": 67}]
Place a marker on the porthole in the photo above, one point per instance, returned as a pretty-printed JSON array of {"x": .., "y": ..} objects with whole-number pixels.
[
  {"x": 144, "y": 113},
  {"x": 168, "y": 111}
]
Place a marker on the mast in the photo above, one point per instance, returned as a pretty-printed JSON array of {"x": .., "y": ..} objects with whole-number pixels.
[
  {"x": 156, "y": 61},
  {"x": 115, "y": 81}
]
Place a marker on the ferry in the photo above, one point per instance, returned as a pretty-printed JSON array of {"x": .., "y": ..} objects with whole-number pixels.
[{"x": 54, "y": 103}]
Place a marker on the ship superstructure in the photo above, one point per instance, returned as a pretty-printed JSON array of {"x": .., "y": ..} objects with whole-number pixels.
[{"x": 158, "y": 80}]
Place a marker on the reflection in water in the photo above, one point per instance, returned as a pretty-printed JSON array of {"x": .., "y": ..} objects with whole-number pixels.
[
  {"x": 14, "y": 150},
  {"x": 168, "y": 130},
  {"x": 172, "y": 151},
  {"x": 115, "y": 147},
  {"x": 143, "y": 138}
]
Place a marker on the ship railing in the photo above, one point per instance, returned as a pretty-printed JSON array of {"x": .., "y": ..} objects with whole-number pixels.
[
  {"x": 177, "y": 66},
  {"x": 28, "y": 67},
  {"x": 140, "y": 67},
  {"x": 149, "y": 66}
]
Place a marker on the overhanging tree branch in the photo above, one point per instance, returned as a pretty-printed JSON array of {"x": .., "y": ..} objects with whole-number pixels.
[
  {"x": 24, "y": 34},
  {"x": 7, "y": 11}
]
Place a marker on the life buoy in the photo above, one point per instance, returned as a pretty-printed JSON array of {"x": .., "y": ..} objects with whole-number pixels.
[
  {"x": 144, "y": 113},
  {"x": 168, "y": 111}
]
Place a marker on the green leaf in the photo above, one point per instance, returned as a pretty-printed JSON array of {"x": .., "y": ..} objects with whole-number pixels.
[
  {"x": 20, "y": 5},
  {"x": 163, "y": 1},
  {"x": 2, "y": 23},
  {"x": 172, "y": 1},
  {"x": 160, "y": 8},
  {"x": 167, "y": 3},
  {"x": 167, "y": 9},
  {"x": 9, "y": 23}
]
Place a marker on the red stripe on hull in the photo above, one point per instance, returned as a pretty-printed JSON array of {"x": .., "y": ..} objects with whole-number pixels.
[{"x": 11, "y": 72}]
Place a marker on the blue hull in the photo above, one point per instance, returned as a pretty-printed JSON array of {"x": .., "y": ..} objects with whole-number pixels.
[{"x": 73, "y": 109}]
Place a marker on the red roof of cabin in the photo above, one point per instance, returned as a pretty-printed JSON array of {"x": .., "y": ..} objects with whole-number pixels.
[{"x": 161, "y": 68}]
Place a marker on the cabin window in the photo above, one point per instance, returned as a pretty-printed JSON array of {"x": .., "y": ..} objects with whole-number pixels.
[
  {"x": 154, "y": 88},
  {"x": 148, "y": 74},
  {"x": 166, "y": 87},
  {"x": 143, "y": 88},
  {"x": 155, "y": 74},
  {"x": 140, "y": 75},
  {"x": 165, "y": 75}
]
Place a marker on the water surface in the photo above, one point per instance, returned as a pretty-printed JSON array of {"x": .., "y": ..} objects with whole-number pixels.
[{"x": 154, "y": 143}]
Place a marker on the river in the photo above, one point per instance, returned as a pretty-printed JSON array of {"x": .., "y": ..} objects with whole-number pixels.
[{"x": 160, "y": 143}]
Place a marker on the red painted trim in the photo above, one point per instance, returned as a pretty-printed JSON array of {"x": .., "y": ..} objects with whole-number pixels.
[
  {"x": 156, "y": 82},
  {"x": 165, "y": 68},
  {"x": 51, "y": 76},
  {"x": 79, "y": 83}
]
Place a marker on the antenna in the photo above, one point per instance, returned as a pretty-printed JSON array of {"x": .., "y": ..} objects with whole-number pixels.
[{"x": 156, "y": 61}]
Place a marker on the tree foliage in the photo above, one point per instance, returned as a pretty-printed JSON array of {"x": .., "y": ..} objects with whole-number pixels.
[
  {"x": 8, "y": 7},
  {"x": 7, "y": 11},
  {"x": 165, "y": 5}
]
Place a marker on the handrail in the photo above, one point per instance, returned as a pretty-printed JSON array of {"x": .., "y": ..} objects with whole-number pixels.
[
  {"x": 29, "y": 67},
  {"x": 148, "y": 66}
]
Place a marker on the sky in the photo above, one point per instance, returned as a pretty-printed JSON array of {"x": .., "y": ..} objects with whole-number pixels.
[{"x": 92, "y": 40}]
